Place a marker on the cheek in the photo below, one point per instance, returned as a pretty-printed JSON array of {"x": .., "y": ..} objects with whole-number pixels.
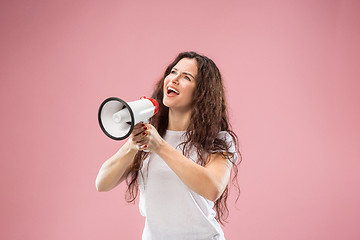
[
  {"x": 166, "y": 81},
  {"x": 190, "y": 91}
]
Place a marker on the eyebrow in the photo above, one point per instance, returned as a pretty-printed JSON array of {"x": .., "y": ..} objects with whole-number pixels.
[{"x": 186, "y": 73}]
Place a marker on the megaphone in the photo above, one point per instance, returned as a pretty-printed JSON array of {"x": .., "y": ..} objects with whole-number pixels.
[{"x": 117, "y": 118}]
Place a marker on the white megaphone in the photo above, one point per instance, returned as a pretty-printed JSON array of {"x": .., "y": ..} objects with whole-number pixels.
[{"x": 117, "y": 118}]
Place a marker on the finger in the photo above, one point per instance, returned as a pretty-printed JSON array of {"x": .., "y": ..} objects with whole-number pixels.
[
  {"x": 148, "y": 125},
  {"x": 144, "y": 140},
  {"x": 143, "y": 147},
  {"x": 141, "y": 136},
  {"x": 139, "y": 130},
  {"x": 140, "y": 124}
]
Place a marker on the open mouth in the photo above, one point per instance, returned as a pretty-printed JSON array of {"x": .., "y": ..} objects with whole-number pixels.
[{"x": 172, "y": 91}]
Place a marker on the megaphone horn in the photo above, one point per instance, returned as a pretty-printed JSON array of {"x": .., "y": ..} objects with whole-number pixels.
[{"x": 117, "y": 118}]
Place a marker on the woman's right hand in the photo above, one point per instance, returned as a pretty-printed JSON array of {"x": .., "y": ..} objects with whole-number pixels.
[{"x": 137, "y": 136}]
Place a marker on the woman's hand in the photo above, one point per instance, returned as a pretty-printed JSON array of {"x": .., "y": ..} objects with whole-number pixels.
[{"x": 146, "y": 137}]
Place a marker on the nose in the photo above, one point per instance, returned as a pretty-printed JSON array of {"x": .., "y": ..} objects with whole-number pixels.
[{"x": 175, "y": 79}]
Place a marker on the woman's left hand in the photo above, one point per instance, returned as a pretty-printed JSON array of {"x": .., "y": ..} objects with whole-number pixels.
[{"x": 150, "y": 139}]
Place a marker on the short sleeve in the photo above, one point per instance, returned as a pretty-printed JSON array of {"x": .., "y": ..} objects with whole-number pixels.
[{"x": 224, "y": 135}]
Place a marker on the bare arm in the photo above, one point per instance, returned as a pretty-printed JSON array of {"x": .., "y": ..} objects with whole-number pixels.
[
  {"x": 114, "y": 170},
  {"x": 209, "y": 181}
]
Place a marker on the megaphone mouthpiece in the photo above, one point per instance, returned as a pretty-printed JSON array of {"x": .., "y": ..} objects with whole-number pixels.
[{"x": 122, "y": 116}]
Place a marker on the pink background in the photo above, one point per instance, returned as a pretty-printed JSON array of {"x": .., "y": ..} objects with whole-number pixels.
[{"x": 291, "y": 70}]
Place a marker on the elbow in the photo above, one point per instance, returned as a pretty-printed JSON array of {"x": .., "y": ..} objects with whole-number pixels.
[
  {"x": 99, "y": 189},
  {"x": 214, "y": 196},
  {"x": 99, "y": 186},
  {"x": 217, "y": 188},
  {"x": 215, "y": 193}
]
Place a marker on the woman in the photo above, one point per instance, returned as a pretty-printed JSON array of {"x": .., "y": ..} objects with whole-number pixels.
[{"x": 190, "y": 151}]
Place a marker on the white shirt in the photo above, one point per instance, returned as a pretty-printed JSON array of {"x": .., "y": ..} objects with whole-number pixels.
[{"x": 172, "y": 210}]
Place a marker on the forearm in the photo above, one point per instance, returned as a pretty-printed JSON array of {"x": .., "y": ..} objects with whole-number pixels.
[
  {"x": 201, "y": 180},
  {"x": 113, "y": 171}
]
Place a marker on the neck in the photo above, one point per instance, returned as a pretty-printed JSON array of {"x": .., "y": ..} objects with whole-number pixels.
[{"x": 178, "y": 120}]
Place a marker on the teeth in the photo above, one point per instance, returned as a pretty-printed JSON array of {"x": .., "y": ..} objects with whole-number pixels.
[{"x": 172, "y": 89}]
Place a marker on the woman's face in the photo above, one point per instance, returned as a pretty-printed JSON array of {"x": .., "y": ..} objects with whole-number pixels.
[{"x": 179, "y": 85}]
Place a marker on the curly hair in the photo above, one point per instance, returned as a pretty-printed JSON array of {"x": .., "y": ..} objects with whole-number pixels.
[{"x": 209, "y": 116}]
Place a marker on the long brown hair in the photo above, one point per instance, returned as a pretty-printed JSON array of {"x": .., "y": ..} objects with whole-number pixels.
[{"x": 209, "y": 116}]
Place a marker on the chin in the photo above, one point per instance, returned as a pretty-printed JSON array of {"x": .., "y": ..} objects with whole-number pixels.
[
  {"x": 174, "y": 103},
  {"x": 170, "y": 104},
  {"x": 166, "y": 103}
]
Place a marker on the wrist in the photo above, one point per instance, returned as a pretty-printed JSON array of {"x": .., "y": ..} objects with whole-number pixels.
[
  {"x": 130, "y": 147},
  {"x": 161, "y": 146}
]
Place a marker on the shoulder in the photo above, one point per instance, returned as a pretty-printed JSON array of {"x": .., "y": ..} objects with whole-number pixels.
[
  {"x": 229, "y": 140},
  {"x": 224, "y": 135},
  {"x": 227, "y": 137}
]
